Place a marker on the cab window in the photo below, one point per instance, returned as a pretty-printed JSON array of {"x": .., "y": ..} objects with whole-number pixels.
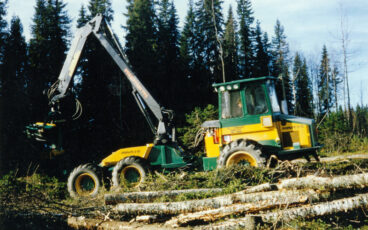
[
  {"x": 256, "y": 100},
  {"x": 231, "y": 105}
]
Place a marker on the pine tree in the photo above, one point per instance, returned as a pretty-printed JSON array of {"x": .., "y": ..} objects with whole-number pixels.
[
  {"x": 302, "y": 88},
  {"x": 14, "y": 95},
  {"x": 280, "y": 65},
  {"x": 261, "y": 58},
  {"x": 246, "y": 19},
  {"x": 48, "y": 44},
  {"x": 231, "y": 48},
  {"x": 325, "y": 84}
]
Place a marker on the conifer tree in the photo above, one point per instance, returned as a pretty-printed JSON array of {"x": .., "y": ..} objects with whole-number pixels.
[
  {"x": 280, "y": 65},
  {"x": 325, "y": 84},
  {"x": 168, "y": 54},
  {"x": 100, "y": 7},
  {"x": 3, "y": 33},
  {"x": 14, "y": 95},
  {"x": 192, "y": 60},
  {"x": 48, "y": 44},
  {"x": 209, "y": 22},
  {"x": 246, "y": 19},
  {"x": 302, "y": 88},
  {"x": 231, "y": 42},
  {"x": 83, "y": 16},
  {"x": 261, "y": 58},
  {"x": 141, "y": 42}
]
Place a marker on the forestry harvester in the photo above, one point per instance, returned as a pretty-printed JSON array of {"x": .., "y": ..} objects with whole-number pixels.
[{"x": 251, "y": 128}]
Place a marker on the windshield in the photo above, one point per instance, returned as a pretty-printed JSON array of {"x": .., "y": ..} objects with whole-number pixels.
[
  {"x": 256, "y": 100},
  {"x": 273, "y": 97}
]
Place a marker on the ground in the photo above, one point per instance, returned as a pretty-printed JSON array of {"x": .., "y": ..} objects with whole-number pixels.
[{"x": 41, "y": 202}]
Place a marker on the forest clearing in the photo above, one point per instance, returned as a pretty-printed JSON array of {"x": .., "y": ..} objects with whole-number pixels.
[{"x": 332, "y": 193}]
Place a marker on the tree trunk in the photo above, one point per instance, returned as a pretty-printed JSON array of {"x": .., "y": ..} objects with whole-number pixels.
[
  {"x": 173, "y": 208},
  {"x": 326, "y": 208},
  {"x": 268, "y": 200},
  {"x": 286, "y": 215},
  {"x": 141, "y": 197},
  {"x": 314, "y": 182}
]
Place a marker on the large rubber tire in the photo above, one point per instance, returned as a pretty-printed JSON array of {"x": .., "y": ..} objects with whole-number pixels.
[
  {"x": 129, "y": 172},
  {"x": 241, "y": 152},
  {"x": 83, "y": 181}
]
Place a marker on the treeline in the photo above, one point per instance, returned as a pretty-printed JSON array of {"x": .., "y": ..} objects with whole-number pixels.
[{"x": 177, "y": 66}]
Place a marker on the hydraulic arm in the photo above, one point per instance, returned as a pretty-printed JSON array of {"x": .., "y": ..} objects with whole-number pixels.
[{"x": 99, "y": 28}]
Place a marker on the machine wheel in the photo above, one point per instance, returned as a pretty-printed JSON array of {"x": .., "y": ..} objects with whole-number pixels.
[
  {"x": 83, "y": 181},
  {"x": 241, "y": 152},
  {"x": 129, "y": 172}
]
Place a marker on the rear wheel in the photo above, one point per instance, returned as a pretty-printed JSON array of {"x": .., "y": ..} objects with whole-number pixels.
[
  {"x": 129, "y": 172},
  {"x": 241, "y": 152},
  {"x": 83, "y": 181}
]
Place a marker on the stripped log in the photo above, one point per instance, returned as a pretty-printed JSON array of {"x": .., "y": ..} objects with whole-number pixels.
[
  {"x": 149, "y": 196},
  {"x": 307, "y": 211},
  {"x": 314, "y": 182},
  {"x": 326, "y": 208},
  {"x": 172, "y": 208},
  {"x": 274, "y": 199}
]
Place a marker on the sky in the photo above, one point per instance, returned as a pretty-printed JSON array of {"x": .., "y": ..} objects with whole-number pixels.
[{"x": 308, "y": 24}]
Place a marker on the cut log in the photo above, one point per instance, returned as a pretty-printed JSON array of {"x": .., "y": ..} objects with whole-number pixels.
[
  {"x": 173, "y": 208},
  {"x": 273, "y": 199},
  {"x": 325, "y": 183},
  {"x": 326, "y": 208},
  {"x": 306, "y": 211},
  {"x": 149, "y": 196},
  {"x": 314, "y": 182}
]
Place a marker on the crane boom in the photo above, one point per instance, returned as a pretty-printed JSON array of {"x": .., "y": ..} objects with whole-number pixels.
[{"x": 102, "y": 31}]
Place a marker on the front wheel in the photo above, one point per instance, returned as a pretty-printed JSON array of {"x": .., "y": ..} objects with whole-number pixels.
[
  {"x": 129, "y": 172},
  {"x": 83, "y": 181},
  {"x": 241, "y": 152}
]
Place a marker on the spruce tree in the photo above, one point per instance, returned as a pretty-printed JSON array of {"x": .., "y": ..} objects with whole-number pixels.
[
  {"x": 192, "y": 62},
  {"x": 141, "y": 42},
  {"x": 325, "y": 84},
  {"x": 246, "y": 52},
  {"x": 280, "y": 65},
  {"x": 210, "y": 23},
  {"x": 48, "y": 44},
  {"x": 82, "y": 17},
  {"x": 261, "y": 58},
  {"x": 100, "y": 7},
  {"x": 168, "y": 54},
  {"x": 302, "y": 88},
  {"x": 231, "y": 42},
  {"x": 14, "y": 94},
  {"x": 3, "y": 33}
]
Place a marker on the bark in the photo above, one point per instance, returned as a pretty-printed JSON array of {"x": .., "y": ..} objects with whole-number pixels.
[
  {"x": 335, "y": 158},
  {"x": 149, "y": 196},
  {"x": 173, "y": 208},
  {"x": 305, "y": 211},
  {"x": 325, "y": 183},
  {"x": 326, "y": 208},
  {"x": 314, "y": 182},
  {"x": 273, "y": 199}
]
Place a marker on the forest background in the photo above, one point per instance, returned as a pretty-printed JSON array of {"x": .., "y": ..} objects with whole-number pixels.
[{"x": 178, "y": 65}]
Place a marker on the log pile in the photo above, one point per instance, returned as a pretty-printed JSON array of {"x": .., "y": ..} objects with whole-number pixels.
[{"x": 304, "y": 197}]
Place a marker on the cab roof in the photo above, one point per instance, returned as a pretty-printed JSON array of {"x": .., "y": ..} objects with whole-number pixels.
[{"x": 243, "y": 81}]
